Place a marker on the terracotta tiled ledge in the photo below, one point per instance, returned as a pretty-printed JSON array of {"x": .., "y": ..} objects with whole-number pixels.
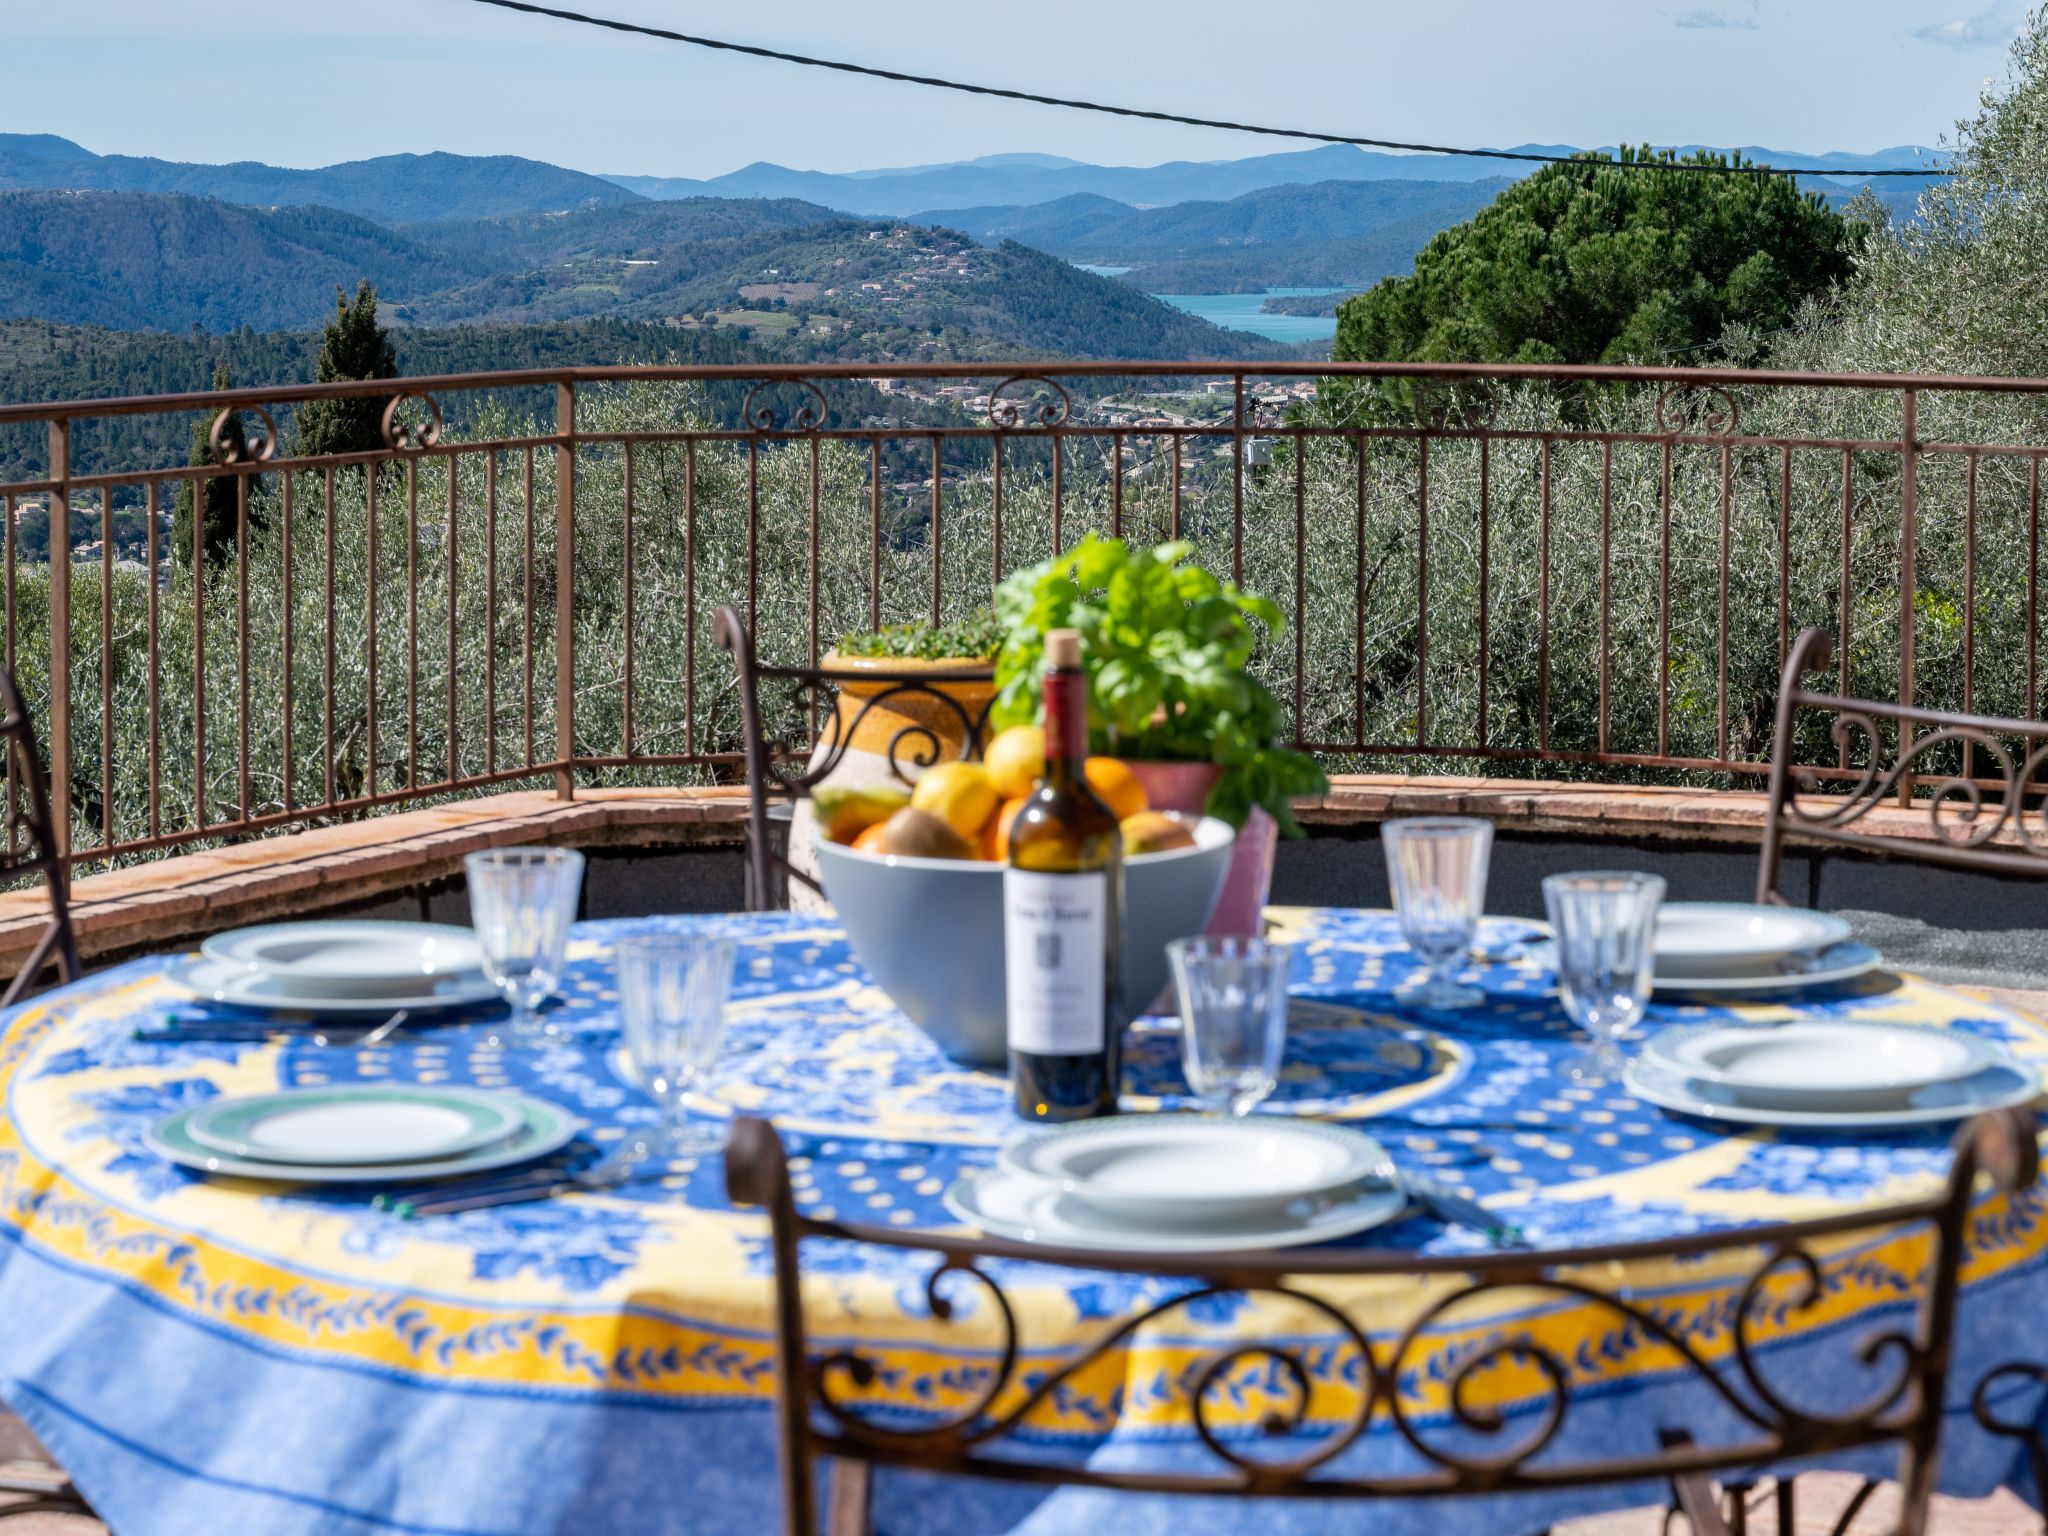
[{"x": 360, "y": 861}]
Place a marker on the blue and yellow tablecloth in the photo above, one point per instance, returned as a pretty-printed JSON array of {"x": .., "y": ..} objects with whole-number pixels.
[{"x": 219, "y": 1357}]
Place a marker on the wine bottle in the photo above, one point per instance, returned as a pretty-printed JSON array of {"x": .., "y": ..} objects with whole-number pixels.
[{"x": 1063, "y": 897}]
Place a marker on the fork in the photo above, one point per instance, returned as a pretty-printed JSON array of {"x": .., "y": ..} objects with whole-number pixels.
[
  {"x": 255, "y": 1031},
  {"x": 517, "y": 1186},
  {"x": 1447, "y": 1206}
]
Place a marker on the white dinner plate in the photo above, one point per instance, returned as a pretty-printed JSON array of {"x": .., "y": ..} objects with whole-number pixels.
[
  {"x": 1821, "y": 1063},
  {"x": 1032, "y": 1211},
  {"x": 1996, "y": 1087},
  {"x": 1713, "y": 938},
  {"x": 241, "y": 988},
  {"x": 351, "y": 958},
  {"x": 1177, "y": 1168},
  {"x": 1833, "y": 966},
  {"x": 543, "y": 1129},
  {"x": 356, "y": 1123}
]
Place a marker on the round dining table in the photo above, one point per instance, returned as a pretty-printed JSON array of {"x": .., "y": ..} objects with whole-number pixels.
[{"x": 212, "y": 1355}]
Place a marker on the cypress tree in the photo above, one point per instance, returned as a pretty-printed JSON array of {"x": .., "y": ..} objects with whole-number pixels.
[
  {"x": 215, "y": 496},
  {"x": 355, "y": 347}
]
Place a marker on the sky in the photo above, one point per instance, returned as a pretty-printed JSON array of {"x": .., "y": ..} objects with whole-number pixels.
[{"x": 304, "y": 84}]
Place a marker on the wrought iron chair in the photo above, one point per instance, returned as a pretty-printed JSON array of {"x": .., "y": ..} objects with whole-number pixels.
[
  {"x": 1967, "y": 825},
  {"x": 31, "y": 843},
  {"x": 811, "y": 692},
  {"x": 819, "y": 1415}
]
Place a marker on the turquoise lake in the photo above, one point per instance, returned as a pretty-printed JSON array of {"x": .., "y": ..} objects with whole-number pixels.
[{"x": 1240, "y": 312}]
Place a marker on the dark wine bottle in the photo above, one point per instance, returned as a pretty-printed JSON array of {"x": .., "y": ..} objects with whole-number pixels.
[{"x": 1063, "y": 897}]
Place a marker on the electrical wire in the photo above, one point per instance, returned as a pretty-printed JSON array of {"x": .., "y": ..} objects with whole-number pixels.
[{"x": 937, "y": 83}]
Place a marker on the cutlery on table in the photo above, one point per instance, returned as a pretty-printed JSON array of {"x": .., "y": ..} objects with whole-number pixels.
[
  {"x": 1449, "y": 1207},
  {"x": 519, "y": 1186},
  {"x": 205, "y": 1027}
]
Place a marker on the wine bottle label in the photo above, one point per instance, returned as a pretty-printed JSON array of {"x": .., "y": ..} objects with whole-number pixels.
[{"x": 1055, "y": 954}]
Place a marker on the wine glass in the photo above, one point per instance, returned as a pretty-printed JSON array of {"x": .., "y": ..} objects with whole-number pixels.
[
  {"x": 672, "y": 992},
  {"x": 1233, "y": 1012},
  {"x": 521, "y": 903},
  {"x": 1436, "y": 867},
  {"x": 1602, "y": 925}
]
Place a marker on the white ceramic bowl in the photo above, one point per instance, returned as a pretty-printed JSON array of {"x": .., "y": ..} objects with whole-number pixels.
[{"x": 930, "y": 931}]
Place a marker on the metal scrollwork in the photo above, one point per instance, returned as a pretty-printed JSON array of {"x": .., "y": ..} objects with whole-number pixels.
[
  {"x": 914, "y": 745},
  {"x": 1705, "y": 409},
  {"x": 1959, "y": 812},
  {"x": 760, "y": 415},
  {"x": 1808, "y": 1294},
  {"x": 1008, "y": 415},
  {"x": 246, "y": 450},
  {"x": 411, "y": 437}
]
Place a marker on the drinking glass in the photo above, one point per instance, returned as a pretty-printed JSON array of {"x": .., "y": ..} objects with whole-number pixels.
[
  {"x": 1233, "y": 1012},
  {"x": 672, "y": 991},
  {"x": 1436, "y": 866},
  {"x": 1602, "y": 924},
  {"x": 521, "y": 903}
]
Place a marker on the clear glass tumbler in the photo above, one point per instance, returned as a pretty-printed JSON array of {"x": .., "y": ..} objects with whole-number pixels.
[
  {"x": 521, "y": 903},
  {"x": 1233, "y": 1013},
  {"x": 1603, "y": 925},
  {"x": 672, "y": 992},
  {"x": 1436, "y": 866}
]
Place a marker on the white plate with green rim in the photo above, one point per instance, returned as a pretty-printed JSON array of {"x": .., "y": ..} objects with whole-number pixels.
[
  {"x": 355, "y": 1123},
  {"x": 1821, "y": 1063},
  {"x": 1032, "y": 1211},
  {"x": 239, "y": 987},
  {"x": 351, "y": 957},
  {"x": 2001, "y": 1086},
  {"x": 1162, "y": 1169},
  {"x": 544, "y": 1128},
  {"x": 1714, "y": 938}
]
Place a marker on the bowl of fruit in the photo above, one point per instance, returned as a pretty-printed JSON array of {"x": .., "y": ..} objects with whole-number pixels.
[{"x": 916, "y": 876}]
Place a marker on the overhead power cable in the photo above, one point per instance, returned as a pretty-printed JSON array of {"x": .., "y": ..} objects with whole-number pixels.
[{"x": 1074, "y": 104}]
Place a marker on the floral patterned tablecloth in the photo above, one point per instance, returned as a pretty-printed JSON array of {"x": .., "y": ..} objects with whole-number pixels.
[{"x": 224, "y": 1357}]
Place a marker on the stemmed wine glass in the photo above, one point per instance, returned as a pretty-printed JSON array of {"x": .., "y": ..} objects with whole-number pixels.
[
  {"x": 1436, "y": 866},
  {"x": 521, "y": 903},
  {"x": 1603, "y": 925},
  {"x": 1233, "y": 1010},
  {"x": 672, "y": 993}
]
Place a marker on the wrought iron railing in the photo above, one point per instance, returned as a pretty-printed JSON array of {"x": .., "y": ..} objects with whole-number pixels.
[{"x": 1586, "y": 569}]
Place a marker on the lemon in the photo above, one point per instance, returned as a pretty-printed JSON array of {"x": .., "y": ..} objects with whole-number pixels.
[
  {"x": 1016, "y": 761},
  {"x": 960, "y": 795}
]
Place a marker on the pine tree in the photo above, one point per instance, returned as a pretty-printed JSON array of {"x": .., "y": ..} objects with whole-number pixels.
[
  {"x": 216, "y": 496},
  {"x": 355, "y": 347}
]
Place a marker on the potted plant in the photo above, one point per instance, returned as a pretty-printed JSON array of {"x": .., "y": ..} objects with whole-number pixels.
[{"x": 1166, "y": 647}]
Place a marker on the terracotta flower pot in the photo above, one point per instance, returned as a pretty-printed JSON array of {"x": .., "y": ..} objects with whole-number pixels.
[{"x": 1184, "y": 787}]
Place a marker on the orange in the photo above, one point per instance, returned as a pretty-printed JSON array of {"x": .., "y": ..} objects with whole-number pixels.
[
  {"x": 1015, "y": 760},
  {"x": 871, "y": 840},
  {"x": 959, "y": 794},
  {"x": 1116, "y": 786},
  {"x": 995, "y": 842}
]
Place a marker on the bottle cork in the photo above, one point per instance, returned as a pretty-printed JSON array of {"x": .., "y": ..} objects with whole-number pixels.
[{"x": 1063, "y": 649}]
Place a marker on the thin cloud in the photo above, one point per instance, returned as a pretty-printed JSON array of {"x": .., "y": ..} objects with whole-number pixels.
[
  {"x": 1700, "y": 19},
  {"x": 1989, "y": 28}
]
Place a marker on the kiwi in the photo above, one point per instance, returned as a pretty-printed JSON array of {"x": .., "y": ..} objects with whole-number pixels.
[{"x": 916, "y": 834}]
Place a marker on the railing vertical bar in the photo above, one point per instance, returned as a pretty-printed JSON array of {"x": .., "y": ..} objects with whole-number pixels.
[
  {"x": 1909, "y": 579},
  {"x": 60, "y": 633},
  {"x": 198, "y": 568},
  {"x": 811, "y": 603},
  {"x": 412, "y": 624},
  {"x": 1300, "y": 585},
  {"x": 7, "y": 646},
  {"x": 938, "y": 512},
  {"x": 1059, "y": 504},
  {"x": 1422, "y": 596},
  {"x": 1174, "y": 509},
  {"x": 241, "y": 643},
  {"x": 1664, "y": 601},
  {"x": 690, "y": 595},
  {"x": 284, "y": 592},
  {"x": 875, "y": 531},
  {"x": 1784, "y": 554},
  {"x": 995, "y": 450},
  {"x": 1237, "y": 474},
  {"x": 1969, "y": 605},
  {"x": 1485, "y": 578},
  {"x": 626, "y": 614},
  {"x": 491, "y": 612},
  {"x": 327, "y": 668},
  {"x": 1543, "y": 598},
  {"x": 1358, "y": 614},
  {"x": 2033, "y": 582},
  {"x": 452, "y": 558},
  {"x": 1727, "y": 554},
  {"x": 565, "y": 591},
  {"x": 526, "y": 617},
  {"x": 1116, "y": 485},
  {"x": 754, "y": 537},
  {"x": 151, "y": 504},
  {"x": 1844, "y": 596},
  {"x": 1606, "y": 578},
  {"x": 371, "y": 479},
  {"x": 107, "y": 667}
]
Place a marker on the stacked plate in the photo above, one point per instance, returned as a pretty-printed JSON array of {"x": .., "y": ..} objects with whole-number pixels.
[
  {"x": 331, "y": 967},
  {"x": 1828, "y": 1074},
  {"x": 1181, "y": 1184},
  {"x": 395, "y": 1133},
  {"x": 1726, "y": 947}
]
